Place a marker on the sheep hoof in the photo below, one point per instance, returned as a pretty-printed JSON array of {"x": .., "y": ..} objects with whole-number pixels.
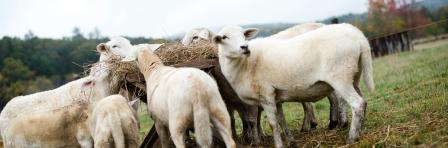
[
  {"x": 343, "y": 125},
  {"x": 313, "y": 125},
  {"x": 332, "y": 125},
  {"x": 351, "y": 140}
]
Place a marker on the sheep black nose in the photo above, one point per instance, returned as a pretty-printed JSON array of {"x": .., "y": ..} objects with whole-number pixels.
[
  {"x": 246, "y": 52},
  {"x": 245, "y": 49}
]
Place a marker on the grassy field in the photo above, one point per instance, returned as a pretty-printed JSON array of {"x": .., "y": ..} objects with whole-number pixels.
[{"x": 409, "y": 106}]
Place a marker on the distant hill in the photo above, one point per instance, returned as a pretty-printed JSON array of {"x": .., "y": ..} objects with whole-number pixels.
[
  {"x": 346, "y": 18},
  {"x": 433, "y": 5},
  {"x": 268, "y": 29},
  {"x": 272, "y": 28}
]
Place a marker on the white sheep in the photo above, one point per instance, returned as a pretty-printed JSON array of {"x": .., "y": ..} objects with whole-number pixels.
[
  {"x": 195, "y": 35},
  {"x": 309, "y": 121},
  {"x": 305, "y": 68},
  {"x": 114, "y": 123},
  {"x": 178, "y": 98},
  {"x": 63, "y": 111},
  {"x": 114, "y": 47},
  {"x": 337, "y": 113},
  {"x": 296, "y": 30}
]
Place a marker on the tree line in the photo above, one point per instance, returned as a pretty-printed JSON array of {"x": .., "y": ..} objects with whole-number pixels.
[{"x": 31, "y": 64}]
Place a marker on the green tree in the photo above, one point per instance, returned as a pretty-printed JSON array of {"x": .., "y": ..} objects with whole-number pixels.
[
  {"x": 15, "y": 70},
  {"x": 30, "y": 35}
]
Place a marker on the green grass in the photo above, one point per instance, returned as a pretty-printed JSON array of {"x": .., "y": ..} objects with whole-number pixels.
[
  {"x": 145, "y": 122},
  {"x": 409, "y": 106}
]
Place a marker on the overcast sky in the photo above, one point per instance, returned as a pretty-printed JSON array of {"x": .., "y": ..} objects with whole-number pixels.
[{"x": 161, "y": 18}]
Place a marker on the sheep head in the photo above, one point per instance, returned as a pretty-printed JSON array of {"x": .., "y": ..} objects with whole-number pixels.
[
  {"x": 195, "y": 35},
  {"x": 232, "y": 41},
  {"x": 119, "y": 46}
]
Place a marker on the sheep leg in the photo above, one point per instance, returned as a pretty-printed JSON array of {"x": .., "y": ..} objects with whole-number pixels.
[
  {"x": 259, "y": 129},
  {"x": 232, "y": 122},
  {"x": 342, "y": 104},
  {"x": 271, "y": 111},
  {"x": 358, "y": 106},
  {"x": 247, "y": 134},
  {"x": 334, "y": 111},
  {"x": 342, "y": 113},
  {"x": 250, "y": 119},
  {"x": 283, "y": 125},
  {"x": 177, "y": 131},
  {"x": 101, "y": 138},
  {"x": 221, "y": 121},
  {"x": 85, "y": 143},
  {"x": 306, "y": 124},
  {"x": 84, "y": 138},
  {"x": 356, "y": 80},
  {"x": 164, "y": 136},
  {"x": 309, "y": 120},
  {"x": 312, "y": 116},
  {"x": 338, "y": 115}
]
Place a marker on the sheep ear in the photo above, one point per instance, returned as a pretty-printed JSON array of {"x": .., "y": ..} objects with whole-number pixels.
[
  {"x": 88, "y": 83},
  {"x": 210, "y": 35},
  {"x": 187, "y": 39},
  {"x": 250, "y": 33},
  {"x": 217, "y": 39},
  {"x": 154, "y": 47},
  {"x": 102, "y": 48}
]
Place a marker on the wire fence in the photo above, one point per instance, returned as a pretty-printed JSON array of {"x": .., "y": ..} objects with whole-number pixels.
[{"x": 403, "y": 40}]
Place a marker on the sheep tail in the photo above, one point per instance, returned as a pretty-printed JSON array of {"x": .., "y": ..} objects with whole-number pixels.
[
  {"x": 201, "y": 116},
  {"x": 117, "y": 132},
  {"x": 366, "y": 63}
]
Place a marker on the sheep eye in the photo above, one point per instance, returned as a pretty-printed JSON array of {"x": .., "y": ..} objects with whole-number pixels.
[
  {"x": 115, "y": 46},
  {"x": 224, "y": 37},
  {"x": 195, "y": 37}
]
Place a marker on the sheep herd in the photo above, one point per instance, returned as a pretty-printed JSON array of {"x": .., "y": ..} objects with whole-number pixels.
[{"x": 304, "y": 63}]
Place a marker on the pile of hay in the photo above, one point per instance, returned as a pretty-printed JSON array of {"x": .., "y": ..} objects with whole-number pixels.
[
  {"x": 175, "y": 53},
  {"x": 170, "y": 54},
  {"x": 123, "y": 74}
]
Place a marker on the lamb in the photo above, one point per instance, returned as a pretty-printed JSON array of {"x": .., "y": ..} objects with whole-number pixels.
[
  {"x": 64, "y": 112},
  {"x": 114, "y": 123},
  {"x": 248, "y": 113},
  {"x": 178, "y": 98},
  {"x": 195, "y": 35},
  {"x": 308, "y": 68}
]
